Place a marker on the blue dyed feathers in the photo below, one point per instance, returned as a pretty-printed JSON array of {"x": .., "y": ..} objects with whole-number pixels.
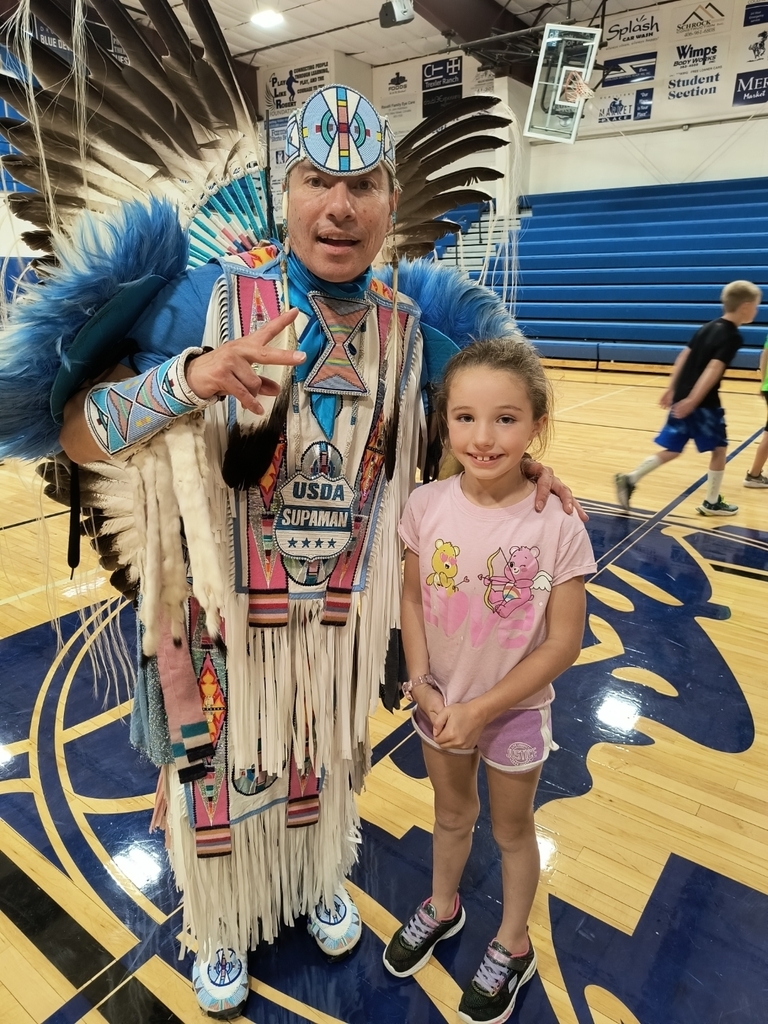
[
  {"x": 450, "y": 302},
  {"x": 104, "y": 253}
]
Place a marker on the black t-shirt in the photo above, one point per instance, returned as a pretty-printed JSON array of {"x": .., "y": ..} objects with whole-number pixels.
[{"x": 719, "y": 339}]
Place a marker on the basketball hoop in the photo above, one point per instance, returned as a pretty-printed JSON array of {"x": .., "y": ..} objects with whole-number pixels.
[{"x": 574, "y": 89}]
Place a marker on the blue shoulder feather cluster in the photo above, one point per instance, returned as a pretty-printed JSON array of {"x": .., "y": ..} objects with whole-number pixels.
[
  {"x": 103, "y": 254},
  {"x": 451, "y": 302}
]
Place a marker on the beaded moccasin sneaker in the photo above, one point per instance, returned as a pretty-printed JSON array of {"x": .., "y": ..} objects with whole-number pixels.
[
  {"x": 336, "y": 929},
  {"x": 221, "y": 984}
]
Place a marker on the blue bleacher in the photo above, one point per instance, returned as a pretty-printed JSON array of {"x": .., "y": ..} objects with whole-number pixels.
[
  {"x": 465, "y": 217},
  {"x": 628, "y": 274}
]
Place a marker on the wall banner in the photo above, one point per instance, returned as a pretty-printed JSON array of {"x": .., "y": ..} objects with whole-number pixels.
[
  {"x": 701, "y": 20},
  {"x": 411, "y": 90},
  {"x": 441, "y": 84},
  {"x": 756, "y": 13},
  {"x": 639, "y": 27},
  {"x": 623, "y": 70},
  {"x": 750, "y": 88},
  {"x": 705, "y": 61},
  {"x": 286, "y": 88}
]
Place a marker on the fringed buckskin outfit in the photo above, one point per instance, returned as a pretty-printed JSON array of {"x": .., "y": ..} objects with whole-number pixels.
[{"x": 295, "y": 588}]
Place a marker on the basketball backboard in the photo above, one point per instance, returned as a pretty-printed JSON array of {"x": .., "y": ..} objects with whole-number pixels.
[{"x": 558, "y": 95}]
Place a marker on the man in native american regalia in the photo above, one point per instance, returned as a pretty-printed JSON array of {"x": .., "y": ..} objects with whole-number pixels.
[{"x": 253, "y": 453}]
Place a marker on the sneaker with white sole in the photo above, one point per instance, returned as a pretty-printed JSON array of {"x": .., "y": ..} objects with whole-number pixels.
[
  {"x": 717, "y": 508},
  {"x": 221, "y": 984},
  {"x": 755, "y": 481},
  {"x": 624, "y": 489},
  {"x": 336, "y": 929},
  {"x": 411, "y": 946},
  {"x": 490, "y": 996}
]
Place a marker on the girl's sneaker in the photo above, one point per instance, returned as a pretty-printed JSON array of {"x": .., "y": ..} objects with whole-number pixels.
[
  {"x": 490, "y": 996},
  {"x": 411, "y": 946}
]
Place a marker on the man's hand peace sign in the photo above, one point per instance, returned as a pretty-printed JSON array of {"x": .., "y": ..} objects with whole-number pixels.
[{"x": 229, "y": 370}]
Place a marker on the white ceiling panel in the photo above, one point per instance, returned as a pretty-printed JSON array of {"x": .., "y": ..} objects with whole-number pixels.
[
  {"x": 352, "y": 27},
  {"x": 314, "y": 25}
]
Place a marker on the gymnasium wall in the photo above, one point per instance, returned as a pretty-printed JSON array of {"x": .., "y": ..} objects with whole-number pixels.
[
  {"x": 682, "y": 97},
  {"x": 705, "y": 152}
]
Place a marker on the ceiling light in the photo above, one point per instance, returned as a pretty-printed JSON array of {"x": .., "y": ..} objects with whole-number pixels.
[{"x": 267, "y": 18}]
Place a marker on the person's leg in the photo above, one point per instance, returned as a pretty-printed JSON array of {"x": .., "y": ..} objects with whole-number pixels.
[
  {"x": 715, "y": 474},
  {"x": 511, "y": 796},
  {"x": 671, "y": 439},
  {"x": 454, "y": 781},
  {"x": 761, "y": 454},
  {"x": 457, "y": 805},
  {"x": 661, "y": 458},
  {"x": 509, "y": 961},
  {"x": 754, "y": 477},
  {"x": 627, "y": 482},
  {"x": 711, "y": 436}
]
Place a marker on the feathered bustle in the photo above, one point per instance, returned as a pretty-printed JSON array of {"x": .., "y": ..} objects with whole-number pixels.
[
  {"x": 451, "y": 302},
  {"x": 103, "y": 253}
]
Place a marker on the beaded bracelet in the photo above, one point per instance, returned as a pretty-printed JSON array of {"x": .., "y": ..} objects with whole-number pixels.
[{"x": 428, "y": 679}]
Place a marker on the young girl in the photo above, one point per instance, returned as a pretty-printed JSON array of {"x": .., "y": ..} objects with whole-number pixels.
[{"x": 493, "y": 610}]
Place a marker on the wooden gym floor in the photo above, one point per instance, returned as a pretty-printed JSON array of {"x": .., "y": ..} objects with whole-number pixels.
[{"x": 651, "y": 816}]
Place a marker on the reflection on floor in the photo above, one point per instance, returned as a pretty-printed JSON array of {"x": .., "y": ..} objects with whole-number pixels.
[{"x": 651, "y": 816}]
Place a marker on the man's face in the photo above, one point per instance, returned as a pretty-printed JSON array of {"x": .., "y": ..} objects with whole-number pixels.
[{"x": 336, "y": 225}]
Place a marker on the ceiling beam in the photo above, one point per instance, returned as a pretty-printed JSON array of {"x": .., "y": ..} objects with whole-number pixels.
[
  {"x": 468, "y": 21},
  {"x": 463, "y": 22}
]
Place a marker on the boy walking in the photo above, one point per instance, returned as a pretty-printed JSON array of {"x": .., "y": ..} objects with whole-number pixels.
[{"x": 693, "y": 399}]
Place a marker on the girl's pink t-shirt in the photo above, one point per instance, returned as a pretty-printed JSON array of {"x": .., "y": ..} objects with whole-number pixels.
[{"x": 486, "y": 576}]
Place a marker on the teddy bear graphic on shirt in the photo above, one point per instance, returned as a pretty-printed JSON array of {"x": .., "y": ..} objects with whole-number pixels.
[
  {"x": 514, "y": 587},
  {"x": 445, "y": 567}
]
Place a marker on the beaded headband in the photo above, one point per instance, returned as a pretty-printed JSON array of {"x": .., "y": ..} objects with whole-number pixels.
[{"x": 340, "y": 132}]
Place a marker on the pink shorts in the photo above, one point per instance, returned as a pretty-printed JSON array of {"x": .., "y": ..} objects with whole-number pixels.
[{"x": 516, "y": 741}]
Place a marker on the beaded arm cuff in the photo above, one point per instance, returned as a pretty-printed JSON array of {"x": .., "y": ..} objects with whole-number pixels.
[{"x": 122, "y": 413}]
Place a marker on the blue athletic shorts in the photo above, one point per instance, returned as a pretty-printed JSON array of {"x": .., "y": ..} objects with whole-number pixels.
[{"x": 704, "y": 426}]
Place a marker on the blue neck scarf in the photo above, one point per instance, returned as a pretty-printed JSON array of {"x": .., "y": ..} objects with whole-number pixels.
[{"x": 312, "y": 341}]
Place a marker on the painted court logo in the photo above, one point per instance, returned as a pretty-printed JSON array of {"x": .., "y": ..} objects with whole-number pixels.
[{"x": 702, "y": 20}]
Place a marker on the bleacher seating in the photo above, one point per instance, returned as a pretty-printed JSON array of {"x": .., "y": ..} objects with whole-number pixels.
[
  {"x": 465, "y": 216},
  {"x": 627, "y": 275}
]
